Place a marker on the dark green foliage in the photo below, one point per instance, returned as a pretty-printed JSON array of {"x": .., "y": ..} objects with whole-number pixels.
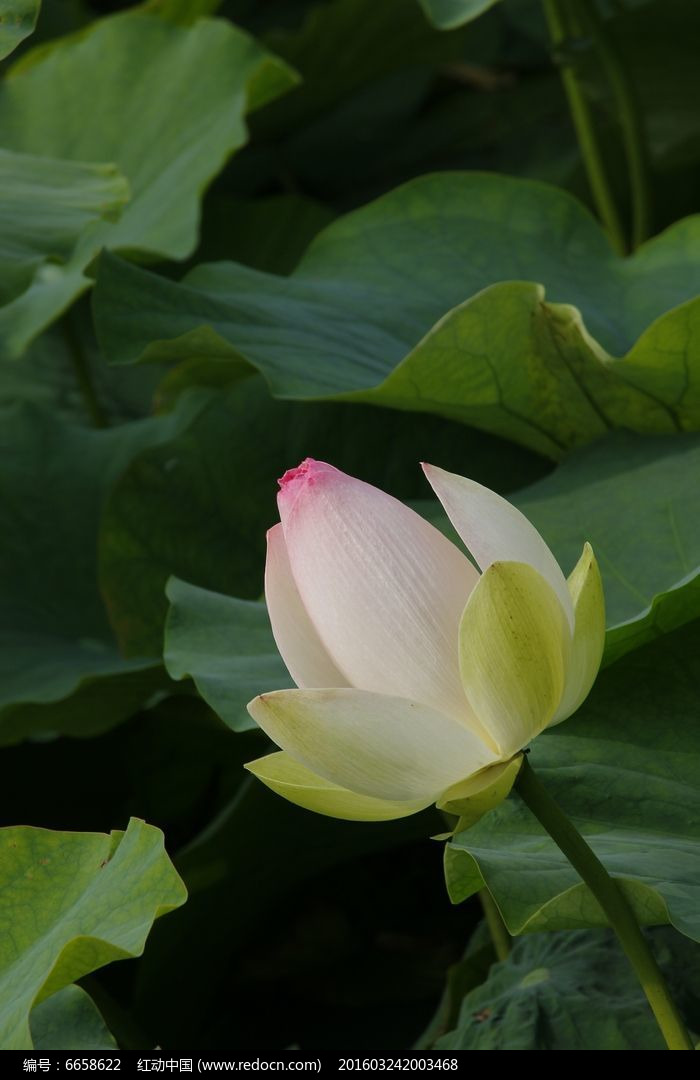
[{"x": 360, "y": 231}]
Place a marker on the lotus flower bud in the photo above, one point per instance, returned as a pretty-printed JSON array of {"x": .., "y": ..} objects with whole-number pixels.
[{"x": 420, "y": 677}]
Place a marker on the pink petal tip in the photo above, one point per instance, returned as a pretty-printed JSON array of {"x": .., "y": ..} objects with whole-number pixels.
[
  {"x": 305, "y": 475},
  {"x": 301, "y": 472}
]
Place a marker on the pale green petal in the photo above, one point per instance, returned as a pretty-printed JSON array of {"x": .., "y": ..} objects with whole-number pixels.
[
  {"x": 586, "y": 590},
  {"x": 299, "y": 785},
  {"x": 514, "y": 646},
  {"x": 470, "y": 799},
  {"x": 386, "y": 747}
]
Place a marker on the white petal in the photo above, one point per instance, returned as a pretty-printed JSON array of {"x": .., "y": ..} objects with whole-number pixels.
[
  {"x": 288, "y": 777},
  {"x": 493, "y": 530},
  {"x": 386, "y": 747},
  {"x": 300, "y": 646},
  {"x": 384, "y": 589},
  {"x": 586, "y": 590}
]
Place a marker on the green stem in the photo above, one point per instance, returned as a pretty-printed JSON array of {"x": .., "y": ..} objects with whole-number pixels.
[
  {"x": 630, "y": 123},
  {"x": 611, "y": 899},
  {"x": 82, "y": 372},
  {"x": 585, "y": 131},
  {"x": 500, "y": 937}
]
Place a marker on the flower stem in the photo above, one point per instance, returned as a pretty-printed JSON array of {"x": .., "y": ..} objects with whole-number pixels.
[
  {"x": 611, "y": 899},
  {"x": 585, "y": 131},
  {"x": 81, "y": 369},
  {"x": 630, "y": 120},
  {"x": 500, "y": 938}
]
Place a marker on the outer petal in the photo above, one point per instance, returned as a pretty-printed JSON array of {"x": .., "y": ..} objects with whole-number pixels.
[
  {"x": 514, "y": 652},
  {"x": 289, "y": 778},
  {"x": 471, "y": 799},
  {"x": 493, "y": 529},
  {"x": 589, "y": 633},
  {"x": 386, "y": 747},
  {"x": 384, "y": 589},
  {"x": 300, "y": 646}
]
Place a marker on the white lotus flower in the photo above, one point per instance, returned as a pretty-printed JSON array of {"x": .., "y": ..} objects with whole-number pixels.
[{"x": 420, "y": 679}]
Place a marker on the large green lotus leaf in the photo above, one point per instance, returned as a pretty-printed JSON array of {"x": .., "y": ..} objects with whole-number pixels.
[
  {"x": 225, "y": 645},
  {"x": 60, "y": 669},
  {"x": 431, "y": 299},
  {"x": 635, "y": 500},
  {"x": 198, "y": 507},
  {"x": 668, "y": 610},
  {"x": 149, "y": 83},
  {"x": 557, "y": 992},
  {"x": 554, "y": 991},
  {"x": 48, "y": 213},
  {"x": 17, "y": 20},
  {"x": 447, "y": 14},
  {"x": 512, "y": 364},
  {"x": 69, "y": 1020},
  {"x": 626, "y": 770},
  {"x": 181, "y": 11},
  {"x": 72, "y": 902}
]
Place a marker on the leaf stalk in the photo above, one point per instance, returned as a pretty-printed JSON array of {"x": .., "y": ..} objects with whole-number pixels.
[
  {"x": 500, "y": 938},
  {"x": 630, "y": 121},
  {"x": 584, "y": 127},
  {"x": 81, "y": 370},
  {"x": 611, "y": 899}
]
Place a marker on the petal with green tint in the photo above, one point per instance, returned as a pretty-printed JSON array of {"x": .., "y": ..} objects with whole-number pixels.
[
  {"x": 514, "y": 646},
  {"x": 586, "y": 590},
  {"x": 386, "y": 747},
  {"x": 626, "y": 771},
  {"x": 289, "y": 778},
  {"x": 473, "y": 797}
]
